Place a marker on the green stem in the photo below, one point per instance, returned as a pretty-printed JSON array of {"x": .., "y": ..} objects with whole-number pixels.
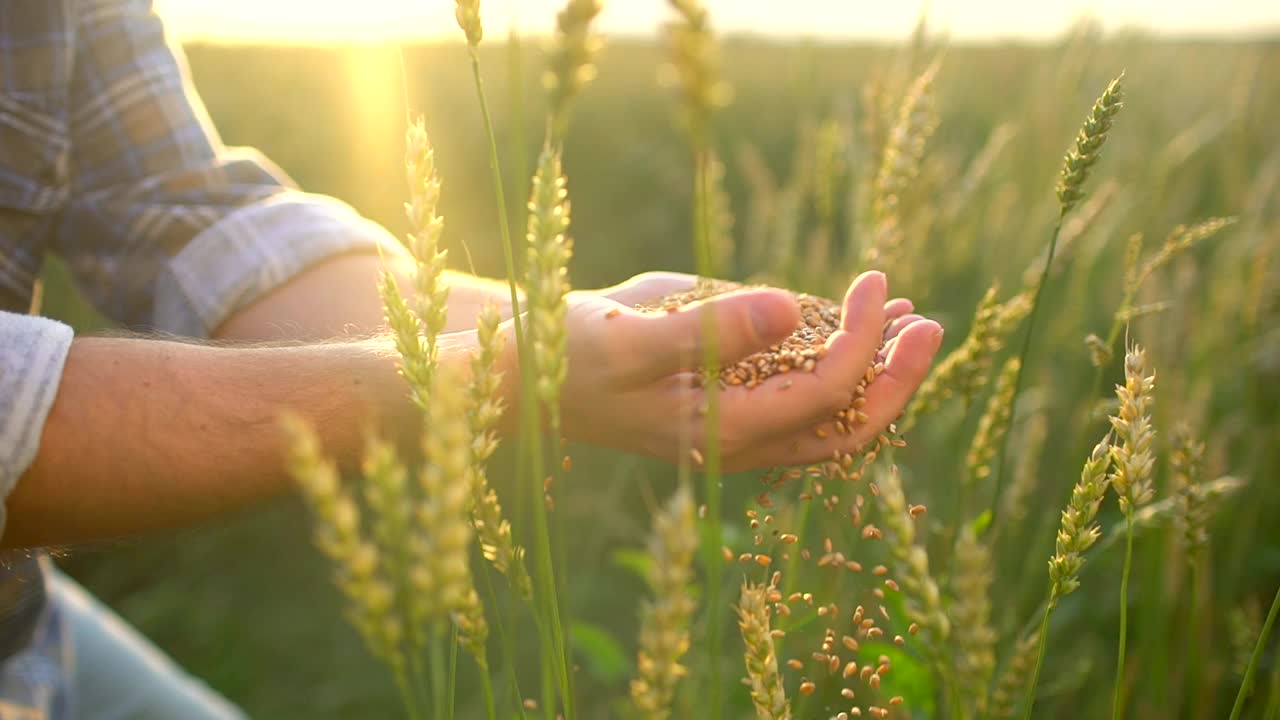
[
  {"x": 1117, "y": 702},
  {"x": 406, "y": 695},
  {"x": 528, "y": 413},
  {"x": 437, "y": 672},
  {"x": 418, "y": 679},
  {"x": 1246, "y": 687},
  {"x": 508, "y": 648},
  {"x": 1002, "y": 457},
  {"x": 453, "y": 669},
  {"x": 712, "y": 533},
  {"x": 486, "y": 686},
  {"x": 1192, "y": 659},
  {"x": 1273, "y": 698},
  {"x": 1035, "y": 673},
  {"x": 548, "y": 683}
]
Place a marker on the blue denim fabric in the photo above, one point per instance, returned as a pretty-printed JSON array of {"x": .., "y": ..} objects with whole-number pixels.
[{"x": 85, "y": 663}]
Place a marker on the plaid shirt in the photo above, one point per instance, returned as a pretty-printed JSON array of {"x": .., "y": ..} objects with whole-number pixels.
[{"x": 108, "y": 159}]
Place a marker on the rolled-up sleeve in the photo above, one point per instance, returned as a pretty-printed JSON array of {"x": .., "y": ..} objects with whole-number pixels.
[
  {"x": 165, "y": 228},
  {"x": 32, "y": 353}
]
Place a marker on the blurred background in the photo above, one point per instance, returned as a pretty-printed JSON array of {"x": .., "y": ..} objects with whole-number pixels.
[{"x": 321, "y": 87}]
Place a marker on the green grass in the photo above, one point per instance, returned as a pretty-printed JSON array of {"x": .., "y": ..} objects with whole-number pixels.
[{"x": 247, "y": 604}]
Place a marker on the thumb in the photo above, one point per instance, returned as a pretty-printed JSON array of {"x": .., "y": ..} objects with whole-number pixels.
[{"x": 743, "y": 322}]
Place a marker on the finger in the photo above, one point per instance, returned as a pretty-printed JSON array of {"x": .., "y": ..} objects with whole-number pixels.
[
  {"x": 795, "y": 400},
  {"x": 905, "y": 369},
  {"x": 651, "y": 345},
  {"x": 647, "y": 287},
  {"x": 898, "y": 324},
  {"x": 898, "y": 307}
]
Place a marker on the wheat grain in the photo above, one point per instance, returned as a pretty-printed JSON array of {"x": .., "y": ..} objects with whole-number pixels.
[{"x": 924, "y": 601}]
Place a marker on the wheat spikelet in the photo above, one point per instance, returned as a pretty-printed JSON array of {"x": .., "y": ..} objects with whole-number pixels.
[
  {"x": 1164, "y": 513},
  {"x": 664, "y": 625},
  {"x": 1009, "y": 685},
  {"x": 695, "y": 64},
  {"x": 924, "y": 601},
  {"x": 1088, "y": 148},
  {"x": 440, "y": 576},
  {"x": 492, "y": 529},
  {"x": 963, "y": 372},
  {"x": 473, "y": 628},
  {"x": 1187, "y": 461},
  {"x": 425, "y": 226},
  {"x": 973, "y": 640},
  {"x": 899, "y": 167},
  {"x": 1132, "y": 457},
  {"x": 360, "y": 570},
  {"x": 830, "y": 166},
  {"x": 467, "y": 13},
  {"x": 549, "y": 251},
  {"x": 1078, "y": 532},
  {"x": 1181, "y": 239},
  {"x": 571, "y": 65},
  {"x": 994, "y": 424},
  {"x": 767, "y": 693},
  {"x": 720, "y": 217},
  {"x": 416, "y": 327}
]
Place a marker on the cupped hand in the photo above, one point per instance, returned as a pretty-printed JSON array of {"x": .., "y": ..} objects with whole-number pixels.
[{"x": 633, "y": 380}]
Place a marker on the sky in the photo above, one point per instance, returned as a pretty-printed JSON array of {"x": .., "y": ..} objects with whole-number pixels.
[{"x": 400, "y": 20}]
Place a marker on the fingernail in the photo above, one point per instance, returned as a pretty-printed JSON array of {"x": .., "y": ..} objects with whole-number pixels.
[
  {"x": 764, "y": 321},
  {"x": 768, "y": 319},
  {"x": 937, "y": 338}
]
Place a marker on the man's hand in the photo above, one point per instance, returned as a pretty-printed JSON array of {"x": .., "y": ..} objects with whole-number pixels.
[{"x": 632, "y": 381}]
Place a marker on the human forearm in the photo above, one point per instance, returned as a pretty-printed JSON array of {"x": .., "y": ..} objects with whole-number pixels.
[
  {"x": 146, "y": 435},
  {"x": 339, "y": 298}
]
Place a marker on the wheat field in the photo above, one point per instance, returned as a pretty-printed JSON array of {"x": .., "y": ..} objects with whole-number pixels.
[{"x": 1172, "y": 245}]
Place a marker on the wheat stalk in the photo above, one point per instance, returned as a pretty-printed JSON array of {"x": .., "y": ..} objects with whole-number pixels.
[
  {"x": 572, "y": 61},
  {"x": 664, "y": 623},
  {"x": 547, "y": 284},
  {"x": 492, "y": 529},
  {"x": 1077, "y": 534},
  {"x": 1133, "y": 462},
  {"x": 993, "y": 425},
  {"x": 361, "y": 568},
  {"x": 964, "y": 371},
  {"x": 973, "y": 639},
  {"x": 767, "y": 693},
  {"x": 899, "y": 167}
]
